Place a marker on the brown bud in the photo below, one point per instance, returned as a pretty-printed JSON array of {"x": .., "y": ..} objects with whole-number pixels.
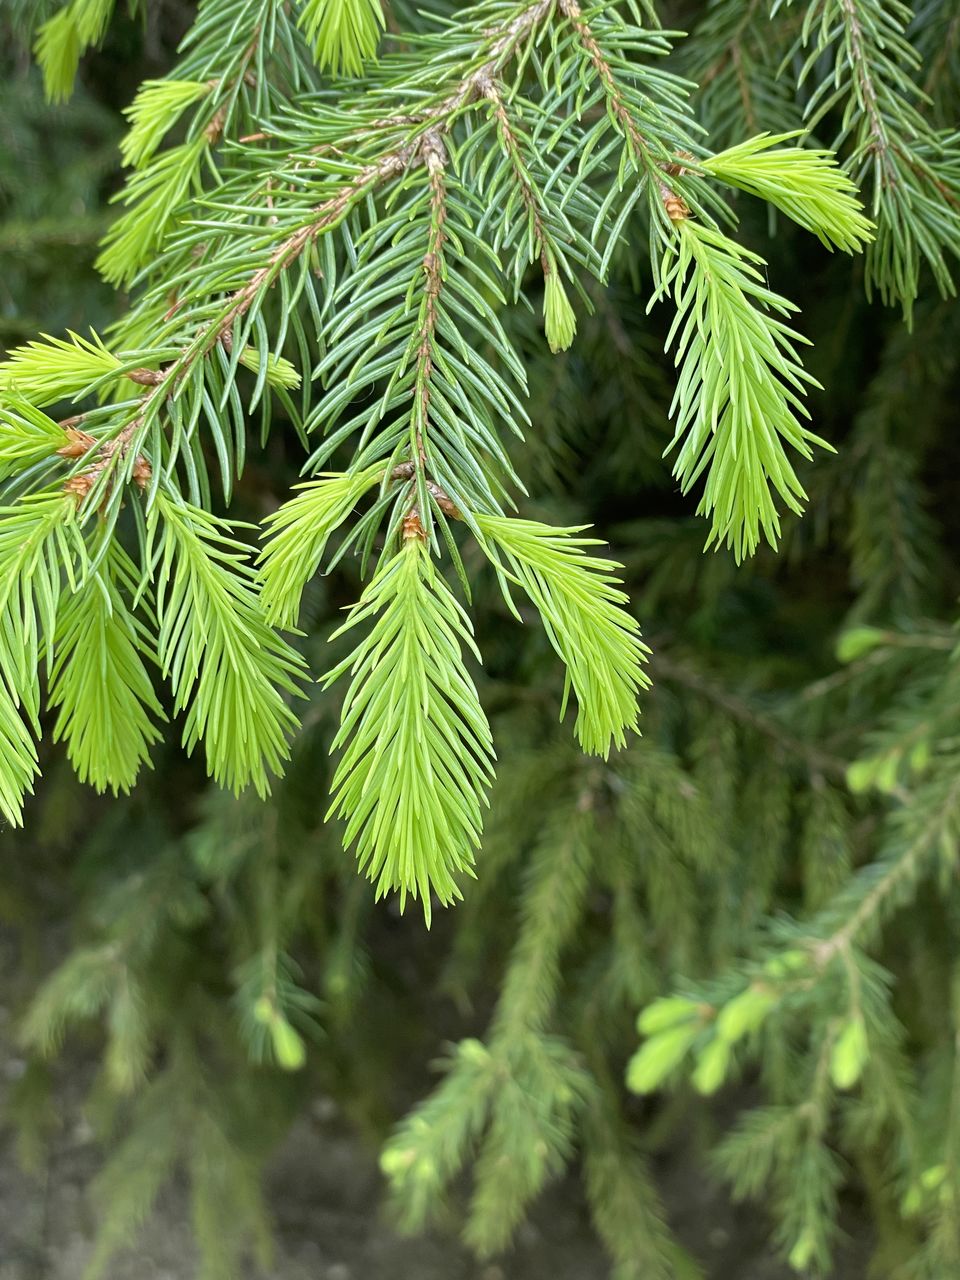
[
  {"x": 79, "y": 486},
  {"x": 413, "y": 527},
  {"x": 674, "y": 167},
  {"x": 78, "y": 443},
  {"x": 142, "y": 472},
  {"x": 445, "y": 503},
  {"x": 145, "y": 377}
]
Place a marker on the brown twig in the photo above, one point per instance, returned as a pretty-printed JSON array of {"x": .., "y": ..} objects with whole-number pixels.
[
  {"x": 435, "y": 158},
  {"x": 676, "y": 208}
]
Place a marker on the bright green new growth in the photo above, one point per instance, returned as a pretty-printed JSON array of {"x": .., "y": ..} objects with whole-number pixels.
[
  {"x": 807, "y": 185},
  {"x": 57, "y": 369},
  {"x": 278, "y": 370},
  {"x": 738, "y": 393},
  {"x": 27, "y": 435},
  {"x": 158, "y": 106},
  {"x": 297, "y": 537},
  {"x": 39, "y": 544},
  {"x": 62, "y": 40},
  {"x": 154, "y": 194},
  {"x": 418, "y": 754},
  {"x": 344, "y": 33},
  {"x": 559, "y": 317},
  {"x": 366, "y": 241},
  {"x": 227, "y": 668},
  {"x": 99, "y": 680},
  {"x": 583, "y": 611}
]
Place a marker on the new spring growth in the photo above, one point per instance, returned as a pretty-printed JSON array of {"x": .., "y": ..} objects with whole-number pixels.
[
  {"x": 851, "y": 1053},
  {"x": 559, "y": 317},
  {"x": 288, "y": 1046}
]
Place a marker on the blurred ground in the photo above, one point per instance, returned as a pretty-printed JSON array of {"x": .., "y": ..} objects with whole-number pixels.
[{"x": 325, "y": 1195}]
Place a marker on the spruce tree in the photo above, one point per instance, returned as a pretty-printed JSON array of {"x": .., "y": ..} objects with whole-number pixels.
[{"x": 396, "y": 287}]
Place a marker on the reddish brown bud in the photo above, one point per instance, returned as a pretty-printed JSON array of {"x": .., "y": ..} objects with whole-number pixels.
[
  {"x": 79, "y": 486},
  {"x": 413, "y": 527},
  {"x": 145, "y": 377},
  {"x": 78, "y": 443},
  {"x": 142, "y": 472}
]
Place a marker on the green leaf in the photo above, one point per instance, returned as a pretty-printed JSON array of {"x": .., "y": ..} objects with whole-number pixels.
[
  {"x": 418, "y": 755},
  {"x": 297, "y": 535},
  {"x": 99, "y": 680},
  {"x": 344, "y": 33},
  {"x": 228, "y": 669},
  {"x": 583, "y": 612},
  {"x": 807, "y": 185},
  {"x": 739, "y": 389},
  {"x": 850, "y": 1055},
  {"x": 661, "y": 1055}
]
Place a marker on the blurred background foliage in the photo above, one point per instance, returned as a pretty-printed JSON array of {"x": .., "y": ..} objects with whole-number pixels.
[{"x": 221, "y": 960}]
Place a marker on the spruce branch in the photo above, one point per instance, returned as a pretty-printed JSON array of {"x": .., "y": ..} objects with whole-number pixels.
[
  {"x": 27, "y": 437},
  {"x": 738, "y": 396},
  {"x": 453, "y": 1116},
  {"x": 911, "y": 170},
  {"x": 582, "y": 610},
  {"x": 554, "y": 899},
  {"x": 153, "y": 195},
  {"x": 418, "y": 755},
  {"x": 297, "y": 537},
  {"x": 18, "y": 758},
  {"x": 157, "y": 107},
  {"x": 616, "y": 102},
  {"x": 99, "y": 680},
  {"x": 45, "y": 372},
  {"x": 745, "y": 378},
  {"x": 217, "y": 75},
  {"x": 805, "y": 184},
  {"x": 516, "y": 1097},
  {"x": 818, "y": 762},
  {"x": 40, "y": 544},
  {"x": 732, "y": 55},
  {"x": 344, "y": 33},
  {"x": 917, "y": 834},
  {"x": 380, "y": 226},
  {"x": 434, "y": 157},
  {"x": 392, "y": 162},
  {"x": 64, "y": 38},
  {"x": 624, "y": 1202},
  {"x": 229, "y": 671}
]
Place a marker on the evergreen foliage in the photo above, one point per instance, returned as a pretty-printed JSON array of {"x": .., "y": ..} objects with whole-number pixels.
[{"x": 429, "y": 261}]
